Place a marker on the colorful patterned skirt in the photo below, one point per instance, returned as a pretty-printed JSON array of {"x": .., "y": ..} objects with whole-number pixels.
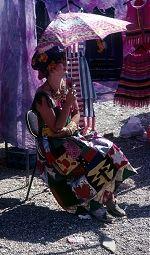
[{"x": 82, "y": 172}]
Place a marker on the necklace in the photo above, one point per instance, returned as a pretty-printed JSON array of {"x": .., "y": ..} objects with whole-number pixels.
[{"x": 60, "y": 94}]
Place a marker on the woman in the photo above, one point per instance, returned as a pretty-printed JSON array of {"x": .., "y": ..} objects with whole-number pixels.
[{"x": 82, "y": 174}]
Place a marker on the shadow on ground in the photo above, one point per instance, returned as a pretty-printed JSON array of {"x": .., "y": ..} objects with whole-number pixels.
[
  {"x": 7, "y": 173},
  {"x": 37, "y": 224},
  {"x": 135, "y": 211}
]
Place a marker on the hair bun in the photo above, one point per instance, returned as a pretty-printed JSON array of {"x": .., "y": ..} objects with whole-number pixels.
[{"x": 40, "y": 61}]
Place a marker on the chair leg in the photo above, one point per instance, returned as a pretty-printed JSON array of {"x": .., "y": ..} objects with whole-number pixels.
[
  {"x": 30, "y": 183},
  {"x": 27, "y": 167}
]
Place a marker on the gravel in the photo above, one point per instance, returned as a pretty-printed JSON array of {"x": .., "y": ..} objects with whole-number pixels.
[{"x": 41, "y": 227}]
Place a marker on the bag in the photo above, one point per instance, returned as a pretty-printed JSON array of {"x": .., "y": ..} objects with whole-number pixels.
[{"x": 132, "y": 128}]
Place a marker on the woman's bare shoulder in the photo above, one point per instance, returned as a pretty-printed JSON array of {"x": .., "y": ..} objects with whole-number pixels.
[{"x": 43, "y": 87}]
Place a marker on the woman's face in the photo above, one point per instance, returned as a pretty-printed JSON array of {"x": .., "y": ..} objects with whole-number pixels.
[{"x": 60, "y": 69}]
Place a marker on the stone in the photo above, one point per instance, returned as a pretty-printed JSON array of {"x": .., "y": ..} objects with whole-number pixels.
[{"x": 109, "y": 244}]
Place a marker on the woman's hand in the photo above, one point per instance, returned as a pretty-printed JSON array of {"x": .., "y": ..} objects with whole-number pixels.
[
  {"x": 62, "y": 133},
  {"x": 69, "y": 130},
  {"x": 71, "y": 96}
]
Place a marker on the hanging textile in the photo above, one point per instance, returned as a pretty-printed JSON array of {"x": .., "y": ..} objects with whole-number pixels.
[
  {"x": 54, "y": 6},
  {"x": 73, "y": 73},
  {"x": 79, "y": 72},
  {"x": 42, "y": 18},
  {"x": 87, "y": 90},
  {"x": 18, "y": 81},
  {"x": 105, "y": 57},
  {"x": 134, "y": 84},
  {"x": 139, "y": 16}
]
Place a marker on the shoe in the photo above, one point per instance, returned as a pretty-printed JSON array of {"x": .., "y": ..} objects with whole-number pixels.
[
  {"x": 103, "y": 216},
  {"x": 109, "y": 135},
  {"x": 114, "y": 209},
  {"x": 108, "y": 218},
  {"x": 99, "y": 213}
]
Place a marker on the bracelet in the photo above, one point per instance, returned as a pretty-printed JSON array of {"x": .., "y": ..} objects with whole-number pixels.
[
  {"x": 47, "y": 132},
  {"x": 72, "y": 127}
]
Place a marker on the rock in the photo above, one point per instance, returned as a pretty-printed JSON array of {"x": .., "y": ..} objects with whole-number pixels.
[
  {"x": 85, "y": 217},
  {"x": 109, "y": 244},
  {"x": 76, "y": 240}
]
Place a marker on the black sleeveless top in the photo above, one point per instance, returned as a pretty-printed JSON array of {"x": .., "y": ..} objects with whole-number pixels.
[{"x": 38, "y": 99}]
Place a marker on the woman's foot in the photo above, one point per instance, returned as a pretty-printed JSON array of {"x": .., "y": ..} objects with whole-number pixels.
[
  {"x": 82, "y": 213},
  {"x": 114, "y": 209},
  {"x": 102, "y": 215}
]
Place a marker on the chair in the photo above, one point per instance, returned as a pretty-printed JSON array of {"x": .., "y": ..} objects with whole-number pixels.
[{"x": 32, "y": 125}]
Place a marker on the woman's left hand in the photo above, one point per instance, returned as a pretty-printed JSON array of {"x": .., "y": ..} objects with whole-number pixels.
[{"x": 63, "y": 132}]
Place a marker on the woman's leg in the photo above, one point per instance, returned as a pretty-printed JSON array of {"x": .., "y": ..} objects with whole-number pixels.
[{"x": 113, "y": 208}]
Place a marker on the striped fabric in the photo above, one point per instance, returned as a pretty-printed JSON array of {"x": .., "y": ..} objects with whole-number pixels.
[
  {"x": 78, "y": 70},
  {"x": 134, "y": 84},
  {"x": 73, "y": 72}
]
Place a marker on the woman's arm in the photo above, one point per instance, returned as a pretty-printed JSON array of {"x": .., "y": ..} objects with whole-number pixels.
[
  {"x": 75, "y": 115},
  {"x": 70, "y": 102},
  {"x": 73, "y": 125},
  {"x": 48, "y": 115}
]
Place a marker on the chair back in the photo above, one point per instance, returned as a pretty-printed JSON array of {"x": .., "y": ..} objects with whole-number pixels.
[{"x": 32, "y": 123}]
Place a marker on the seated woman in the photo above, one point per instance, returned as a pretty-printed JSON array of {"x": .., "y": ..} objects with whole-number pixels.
[{"x": 82, "y": 173}]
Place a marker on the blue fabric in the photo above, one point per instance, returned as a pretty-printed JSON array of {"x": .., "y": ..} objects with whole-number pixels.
[{"x": 87, "y": 88}]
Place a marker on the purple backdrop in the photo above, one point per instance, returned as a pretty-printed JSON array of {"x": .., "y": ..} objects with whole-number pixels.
[
  {"x": 18, "y": 80},
  {"x": 88, "y": 5}
]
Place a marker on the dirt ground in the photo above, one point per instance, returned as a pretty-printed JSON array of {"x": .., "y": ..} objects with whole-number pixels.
[{"x": 41, "y": 227}]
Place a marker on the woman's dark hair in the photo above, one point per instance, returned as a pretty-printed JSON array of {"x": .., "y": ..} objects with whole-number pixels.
[{"x": 40, "y": 61}]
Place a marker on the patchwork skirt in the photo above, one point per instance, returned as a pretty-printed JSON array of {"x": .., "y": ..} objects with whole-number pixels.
[{"x": 82, "y": 172}]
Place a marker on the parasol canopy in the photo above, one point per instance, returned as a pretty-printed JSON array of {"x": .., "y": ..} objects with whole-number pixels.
[{"x": 70, "y": 28}]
